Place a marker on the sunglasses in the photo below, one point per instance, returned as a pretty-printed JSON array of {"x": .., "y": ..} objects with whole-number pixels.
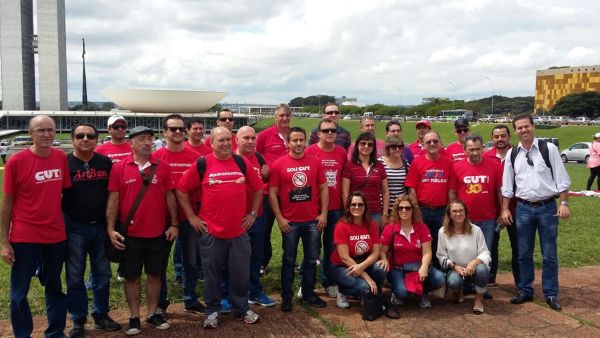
[
  {"x": 176, "y": 129},
  {"x": 402, "y": 208},
  {"x": 366, "y": 144},
  {"x": 119, "y": 126},
  {"x": 89, "y": 136},
  {"x": 462, "y": 130},
  {"x": 329, "y": 131},
  {"x": 396, "y": 147},
  {"x": 226, "y": 119},
  {"x": 333, "y": 112},
  {"x": 357, "y": 205},
  {"x": 529, "y": 160},
  {"x": 432, "y": 142}
]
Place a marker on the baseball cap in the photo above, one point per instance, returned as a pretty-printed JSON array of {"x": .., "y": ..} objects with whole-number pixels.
[
  {"x": 114, "y": 119},
  {"x": 596, "y": 135},
  {"x": 425, "y": 123},
  {"x": 139, "y": 130},
  {"x": 461, "y": 122}
]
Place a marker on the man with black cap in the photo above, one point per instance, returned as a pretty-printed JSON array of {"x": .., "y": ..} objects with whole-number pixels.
[
  {"x": 455, "y": 151},
  {"x": 144, "y": 240}
]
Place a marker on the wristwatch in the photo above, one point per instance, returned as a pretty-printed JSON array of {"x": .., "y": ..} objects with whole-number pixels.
[
  {"x": 565, "y": 203},
  {"x": 253, "y": 213}
]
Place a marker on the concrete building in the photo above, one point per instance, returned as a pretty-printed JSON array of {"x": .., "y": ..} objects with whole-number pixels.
[
  {"x": 19, "y": 43},
  {"x": 553, "y": 83}
]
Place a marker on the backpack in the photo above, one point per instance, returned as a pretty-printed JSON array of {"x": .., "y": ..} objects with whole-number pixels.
[{"x": 543, "y": 147}]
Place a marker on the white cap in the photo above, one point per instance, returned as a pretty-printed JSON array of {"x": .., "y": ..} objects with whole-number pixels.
[
  {"x": 597, "y": 135},
  {"x": 114, "y": 119}
]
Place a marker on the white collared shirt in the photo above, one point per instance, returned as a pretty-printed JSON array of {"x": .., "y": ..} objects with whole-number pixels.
[{"x": 534, "y": 183}]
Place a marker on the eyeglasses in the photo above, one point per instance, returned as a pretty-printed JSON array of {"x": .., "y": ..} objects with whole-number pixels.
[
  {"x": 529, "y": 160},
  {"x": 176, "y": 129},
  {"x": 144, "y": 177},
  {"x": 404, "y": 208},
  {"x": 432, "y": 142},
  {"x": 119, "y": 126},
  {"x": 357, "y": 205},
  {"x": 462, "y": 130},
  {"x": 333, "y": 112},
  {"x": 329, "y": 131},
  {"x": 366, "y": 144},
  {"x": 396, "y": 146},
  {"x": 457, "y": 212},
  {"x": 226, "y": 119},
  {"x": 89, "y": 136}
]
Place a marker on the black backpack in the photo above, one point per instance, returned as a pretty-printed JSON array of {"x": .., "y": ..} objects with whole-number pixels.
[{"x": 543, "y": 146}]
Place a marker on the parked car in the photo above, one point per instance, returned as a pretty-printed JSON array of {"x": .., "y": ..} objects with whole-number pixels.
[
  {"x": 56, "y": 143},
  {"x": 577, "y": 152},
  {"x": 596, "y": 121},
  {"x": 559, "y": 120},
  {"x": 22, "y": 141},
  {"x": 580, "y": 120},
  {"x": 503, "y": 119},
  {"x": 486, "y": 119},
  {"x": 538, "y": 120},
  {"x": 4, "y": 142},
  {"x": 551, "y": 140}
]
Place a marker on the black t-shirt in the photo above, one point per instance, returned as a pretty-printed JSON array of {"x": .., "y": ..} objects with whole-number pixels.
[{"x": 86, "y": 200}]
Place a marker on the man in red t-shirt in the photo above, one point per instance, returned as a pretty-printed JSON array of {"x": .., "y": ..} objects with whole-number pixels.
[
  {"x": 118, "y": 148},
  {"x": 432, "y": 183},
  {"x": 272, "y": 144},
  {"x": 225, "y": 120},
  {"x": 455, "y": 150},
  {"x": 423, "y": 127},
  {"x": 224, "y": 219},
  {"x": 33, "y": 230},
  {"x": 144, "y": 240},
  {"x": 195, "y": 129},
  {"x": 333, "y": 159},
  {"x": 185, "y": 255},
  {"x": 298, "y": 180}
]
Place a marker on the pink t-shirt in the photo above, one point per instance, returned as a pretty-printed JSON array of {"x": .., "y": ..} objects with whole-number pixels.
[
  {"x": 594, "y": 159},
  {"x": 359, "y": 238},
  {"x": 405, "y": 250},
  {"x": 116, "y": 152},
  {"x": 477, "y": 186},
  {"x": 333, "y": 164}
]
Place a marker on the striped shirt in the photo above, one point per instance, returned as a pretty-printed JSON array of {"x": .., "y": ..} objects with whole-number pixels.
[{"x": 396, "y": 179}]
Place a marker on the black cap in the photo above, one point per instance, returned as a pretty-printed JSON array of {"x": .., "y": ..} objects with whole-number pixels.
[
  {"x": 461, "y": 122},
  {"x": 139, "y": 130}
]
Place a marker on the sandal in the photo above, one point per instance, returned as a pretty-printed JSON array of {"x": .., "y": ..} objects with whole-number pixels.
[{"x": 478, "y": 310}]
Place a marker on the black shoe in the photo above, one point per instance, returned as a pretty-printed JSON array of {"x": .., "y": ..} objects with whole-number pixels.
[
  {"x": 286, "y": 305},
  {"x": 313, "y": 299},
  {"x": 178, "y": 281},
  {"x": 487, "y": 295},
  {"x": 553, "y": 303},
  {"x": 521, "y": 298},
  {"x": 104, "y": 322},
  {"x": 134, "y": 327},
  {"x": 197, "y": 308},
  {"x": 77, "y": 331},
  {"x": 158, "y": 322}
]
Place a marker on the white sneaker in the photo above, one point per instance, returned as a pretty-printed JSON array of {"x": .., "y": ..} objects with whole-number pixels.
[
  {"x": 299, "y": 292},
  {"x": 341, "y": 301},
  {"x": 332, "y": 291}
]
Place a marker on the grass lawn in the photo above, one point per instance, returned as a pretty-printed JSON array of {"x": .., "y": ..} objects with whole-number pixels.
[{"x": 576, "y": 242}]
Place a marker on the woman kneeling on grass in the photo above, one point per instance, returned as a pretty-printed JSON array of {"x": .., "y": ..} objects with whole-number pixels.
[
  {"x": 462, "y": 251},
  {"x": 356, "y": 239}
]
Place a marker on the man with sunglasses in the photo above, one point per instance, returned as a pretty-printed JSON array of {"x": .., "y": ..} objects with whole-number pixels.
[
  {"x": 342, "y": 136},
  {"x": 455, "y": 150},
  {"x": 118, "y": 148},
  {"x": 225, "y": 119},
  {"x": 84, "y": 212},
  {"x": 535, "y": 186},
  {"x": 333, "y": 159},
  {"x": 180, "y": 158},
  {"x": 145, "y": 241}
]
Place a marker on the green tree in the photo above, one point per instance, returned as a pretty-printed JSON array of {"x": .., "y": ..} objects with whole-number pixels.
[
  {"x": 579, "y": 104},
  {"x": 107, "y": 106}
]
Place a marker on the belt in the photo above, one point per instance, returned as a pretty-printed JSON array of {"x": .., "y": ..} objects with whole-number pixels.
[{"x": 537, "y": 203}]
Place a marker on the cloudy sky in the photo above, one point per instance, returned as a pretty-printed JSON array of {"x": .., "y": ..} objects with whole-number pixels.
[{"x": 381, "y": 51}]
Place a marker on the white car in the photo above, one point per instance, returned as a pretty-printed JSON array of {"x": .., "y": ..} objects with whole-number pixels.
[
  {"x": 486, "y": 119},
  {"x": 579, "y": 152},
  {"x": 503, "y": 119},
  {"x": 596, "y": 121}
]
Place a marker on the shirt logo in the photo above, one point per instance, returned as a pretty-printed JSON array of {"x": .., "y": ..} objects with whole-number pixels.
[
  {"x": 331, "y": 176},
  {"x": 473, "y": 188},
  {"x": 299, "y": 179},
  {"x": 361, "y": 247},
  {"x": 48, "y": 175}
]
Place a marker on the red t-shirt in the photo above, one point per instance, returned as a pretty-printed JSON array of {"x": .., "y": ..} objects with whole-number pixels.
[
  {"x": 404, "y": 250},
  {"x": 150, "y": 218},
  {"x": 179, "y": 163},
  {"x": 201, "y": 149},
  {"x": 369, "y": 183},
  {"x": 417, "y": 151},
  {"x": 249, "y": 193},
  {"x": 36, "y": 185},
  {"x": 455, "y": 151},
  {"x": 208, "y": 143},
  {"x": 298, "y": 180},
  {"x": 116, "y": 152},
  {"x": 223, "y": 205},
  {"x": 359, "y": 238},
  {"x": 333, "y": 164},
  {"x": 477, "y": 186},
  {"x": 271, "y": 144},
  {"x": 431, "y": 180}
]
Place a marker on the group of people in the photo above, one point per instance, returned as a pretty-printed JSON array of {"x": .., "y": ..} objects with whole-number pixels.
[{"x": 422, "y": 215}]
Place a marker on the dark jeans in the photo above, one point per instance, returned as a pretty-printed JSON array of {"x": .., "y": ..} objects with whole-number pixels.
[
  {"x": 594, "y": 172},
  {"x": 512, "y": 236},
  {"x": 355, "y": 286},
  {"x": 311, "y": 242},
  {"x": 269, "y": 220},
  {"x": 192, "y": 265},
  {"x": 434, "y": 217},
  {"x": 333, "y": 216},
  {"x": 178, "y": 258},
  {"x": 434, "y": 281},
  {"x": 163, "y": 299},
  {"x": 83, "y": 240},
  {"x": 27, "y": 258}
]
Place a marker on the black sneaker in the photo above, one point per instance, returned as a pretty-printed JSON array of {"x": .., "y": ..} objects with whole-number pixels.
[
  {"x": 104, "y": 322},
  {"x": 197, "y": 308},
  {"x": 158, "y": 322},
  {"x": 286, "y": 305},
  {"x": 134, "y": 327},
  {"x": 314, "y": 300},
  {"x": 78, "y": 330}
]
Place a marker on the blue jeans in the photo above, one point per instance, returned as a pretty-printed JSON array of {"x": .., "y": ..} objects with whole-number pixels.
[
  {"x": 355, "y": 286},
  {"x": 333, "y": 216},
  {"x": 84, "y": 239},
  {"x": 190, "y": 255},
  {"x": 27, "y": 258},
  {"x": 177, "y": 258},
  {"x": 311, "y": 242},
  {"x": 433, "y": 218},
  {"x": 543, "y": 219},
  {"x": 434, "y": 281},
  {"x": 479, "y": 279}
]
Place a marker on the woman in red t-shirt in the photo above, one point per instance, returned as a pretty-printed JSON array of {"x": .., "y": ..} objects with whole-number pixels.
[
  {"x": 406, "y": 253},
  {"x": 356, "y": 239}
]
